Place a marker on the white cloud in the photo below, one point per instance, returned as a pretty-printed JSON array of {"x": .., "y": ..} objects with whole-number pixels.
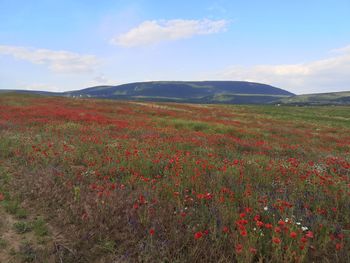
[
  {"x": 57, "y": 61},
  {"x": 341, "y": 50},
  {"x": 40, "y": 86},
  {"x": 101, "y": 80},
  {"x": 324, "y": 75},
  {"x": 155, "y": 31}
]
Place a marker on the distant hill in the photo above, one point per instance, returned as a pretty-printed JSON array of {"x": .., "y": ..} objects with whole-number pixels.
[
  {"x": 228, "y": 92},
  {"x": 332, "y": 98}
]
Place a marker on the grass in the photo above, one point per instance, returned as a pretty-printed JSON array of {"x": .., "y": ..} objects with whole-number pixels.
[
  {"x": 3, "y": 243},
  {"x": 39, "y": 227},
  {"x": 317, "y": 98},
  {"x": 13, "y": 207},
  {"x": 22, "y": 227}
]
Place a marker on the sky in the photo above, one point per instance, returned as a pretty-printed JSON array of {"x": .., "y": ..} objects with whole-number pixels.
[{"x": 302, "y": 46}]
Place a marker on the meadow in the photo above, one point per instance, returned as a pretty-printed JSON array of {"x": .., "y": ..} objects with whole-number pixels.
[{"x": 118, "y": 181}]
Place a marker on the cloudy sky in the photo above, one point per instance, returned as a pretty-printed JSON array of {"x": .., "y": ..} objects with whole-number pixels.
[{"x": 301, "y": 45}]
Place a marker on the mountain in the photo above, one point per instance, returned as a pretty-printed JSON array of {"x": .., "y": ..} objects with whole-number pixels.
[
  {"x": 332, "y": 98},
  {"x": 228, "y": 92}
]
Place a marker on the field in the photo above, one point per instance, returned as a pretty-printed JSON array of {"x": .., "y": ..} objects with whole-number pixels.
[
  {"x": 111, "y": 181},
  {"x": 333, "y": 98}
]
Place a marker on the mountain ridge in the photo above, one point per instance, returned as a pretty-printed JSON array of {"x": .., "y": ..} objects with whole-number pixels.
[
  {"x": 230, "y": 92},
  {"x": 210, "y": 92}
]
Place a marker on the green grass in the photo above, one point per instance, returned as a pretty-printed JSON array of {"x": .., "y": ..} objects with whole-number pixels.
[
  {"x": 3, "y": 243},
  {"x": 13, "y": 207},
  {"x": 22, "y": 227},
  {"x": 316, "y": 98},
  {"x": 40, "y": 228}
]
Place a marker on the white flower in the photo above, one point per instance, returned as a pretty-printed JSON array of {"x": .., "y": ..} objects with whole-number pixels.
[
  {"x": 304, "y": 228},
  {"x": 266, "y": 208},
  {"x": 298, "y": 223}
]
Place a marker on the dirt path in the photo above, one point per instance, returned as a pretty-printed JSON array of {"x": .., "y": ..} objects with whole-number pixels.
[{"x": 23, "y": 239}]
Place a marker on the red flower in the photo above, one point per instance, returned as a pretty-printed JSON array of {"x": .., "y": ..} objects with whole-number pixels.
[
  {"x": 1, "y": 197},
  {"x": 338, "y": 246},
  {"x": 276, "y": 240},
  {"x": 268, "y": 226},
  {"x": 293, "y": 234},
  {"x": 248, "y": 209},
  {"x": 198, "y": 235},
  {"x": 257, "y": 218},
  {"x": 239, "y": 248},
  {"x": 243, "y": 233},
  {"x": 309, "y": 234},
  {"x": 278, "y": 229},
  {"x": 241, "y": 215},
  {"x": 152, "y": 231},
  {"x": 253, "y": 250},
  {"x": 225, "y": 229},
  {"x": 259, "y": 223}
]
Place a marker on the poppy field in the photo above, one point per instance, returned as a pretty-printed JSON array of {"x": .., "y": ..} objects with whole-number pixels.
[{"x": 123, "y": 181}]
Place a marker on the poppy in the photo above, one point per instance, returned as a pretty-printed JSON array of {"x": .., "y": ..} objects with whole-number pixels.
[
  {"x": 293, "y": 234},
  {"x": 276, "y": 240},
  {"x": 198, "y": 235}
]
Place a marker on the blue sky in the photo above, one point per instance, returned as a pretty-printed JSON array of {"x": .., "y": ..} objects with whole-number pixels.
[{"x": 301, "y": 45}]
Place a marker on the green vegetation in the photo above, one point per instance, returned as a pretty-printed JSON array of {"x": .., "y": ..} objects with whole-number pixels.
[
  {"x": 335, "y": 98},
  {"x": 166, "y": 182},
  {"x": 22, "y": 227}
]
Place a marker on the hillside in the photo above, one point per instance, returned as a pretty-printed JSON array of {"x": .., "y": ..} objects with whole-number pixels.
[
  {"x": 228, "y": 92},
  {"x": 332, "y": 98}
]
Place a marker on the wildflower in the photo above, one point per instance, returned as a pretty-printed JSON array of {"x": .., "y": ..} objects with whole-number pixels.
[
  {"x": 248, "y": 209},
  {"x": 257, "y": 218},
  {"x": 338, "y": 246},
  {"x": 198, "y": 235},
  {"x": 151, "y": 231},
  {"x": 293, "y": 234},
  {"x": 276, "y": 240},
  {"x": 243, "y": 233},
  {"x": 268, "y": 226},
  {"x": 225, "y": 229},
  {"x": 309, "y": 234},
  {"x": 259, "y": 223},
  {"x": 278, "y": 229},
  {"x": 281, "y": 223},
  {"x": 239, "y": 248},
  {"x": 266, "y": 208},
  {"x": 304, "y": 228},
  {"x": 253, "y": 250},
  {"x": 1, "y": 197}
]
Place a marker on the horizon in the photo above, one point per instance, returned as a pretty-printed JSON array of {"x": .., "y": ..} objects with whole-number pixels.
[{"x": 63, "y": 46}]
